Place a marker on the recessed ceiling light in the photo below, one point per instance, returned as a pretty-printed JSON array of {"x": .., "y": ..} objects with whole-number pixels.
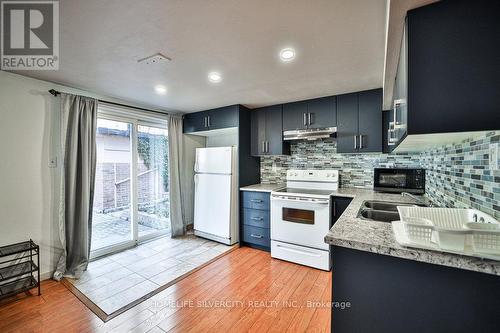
[
  {"x": 161, "y": 90},
  {"x": 214, "y": 77},
  {"x": 287, "y": 54}
]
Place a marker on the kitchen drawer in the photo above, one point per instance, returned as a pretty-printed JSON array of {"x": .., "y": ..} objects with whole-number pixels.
[
  {"x": 255, "y": 200},
  {"x": 256, "y": 217},
  {"x": 256, "y": 235}
]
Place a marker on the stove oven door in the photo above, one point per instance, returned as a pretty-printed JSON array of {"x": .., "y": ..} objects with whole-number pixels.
[{"x": 301, "y": 221}]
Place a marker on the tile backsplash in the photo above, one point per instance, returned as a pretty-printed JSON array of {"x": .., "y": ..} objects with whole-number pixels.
[{"x": 457, "y": 175}]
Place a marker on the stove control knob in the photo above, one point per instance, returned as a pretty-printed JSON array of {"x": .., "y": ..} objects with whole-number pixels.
[{"x": 328, "y": 175}]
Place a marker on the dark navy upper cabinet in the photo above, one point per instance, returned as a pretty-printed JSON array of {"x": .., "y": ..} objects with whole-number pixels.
[
  {"x": 258, "y": 132},
  {"x": 454, "y": 67},
  {"x": 195, "y": 122},
  {"x": 347, "y": 123},
  {"x": 322, "y": 112},
  {"x": 312, "y": 113},
  {"x": 448, "y": 76},
  {"x": 267, "y": 131},
  {"x": 223, "y": 117},
  {"x": 370, "y": 121},
  {"x": 359, "y": 122},
  {"x": 274, "y": 131},
  {"x": 295, "y": 116},
  {"x": 219, "y": 118}
]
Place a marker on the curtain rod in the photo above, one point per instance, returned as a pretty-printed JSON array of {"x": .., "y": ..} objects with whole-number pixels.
[{"x": 55, "y": 93}]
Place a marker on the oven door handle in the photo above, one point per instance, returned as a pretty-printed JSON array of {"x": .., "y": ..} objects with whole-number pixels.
[{"x": 314, "y": 201}]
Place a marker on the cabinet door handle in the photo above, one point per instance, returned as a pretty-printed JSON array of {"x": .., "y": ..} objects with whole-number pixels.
[
  {"x": 397, "y": 103},
  {"x": 205, "y": 122},
  {"x": 208, "y": 121},
  {"x": 309, "y": 119},
  {"x": 391, "y": 141},
  {"x": 263, "y": 146},
  {"x": 256, "y": 236},
  {"x": 305, "y": 119},
  {"x": 256, "y": 200},
  {"x": 360, "y": 141},
  {"x": 267, "y": 147},
  {"x": 257, "y": 218},
  {"x": 355, "y": 142}
]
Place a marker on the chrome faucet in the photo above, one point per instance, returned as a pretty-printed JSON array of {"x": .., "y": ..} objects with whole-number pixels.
[{"x": 420, "y": 201}]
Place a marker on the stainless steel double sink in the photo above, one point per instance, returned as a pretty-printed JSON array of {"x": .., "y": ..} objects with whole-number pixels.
[{"x": 382, "y": 211}]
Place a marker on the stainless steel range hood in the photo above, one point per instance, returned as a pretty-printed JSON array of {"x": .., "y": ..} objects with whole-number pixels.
[{"x": 310, "y": 134}]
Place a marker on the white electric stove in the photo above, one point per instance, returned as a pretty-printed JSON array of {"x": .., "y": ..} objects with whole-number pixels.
[{"x": 301, "y": 217}]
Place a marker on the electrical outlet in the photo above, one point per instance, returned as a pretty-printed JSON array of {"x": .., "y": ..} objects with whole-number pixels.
[
  {"x": 493, "y": 153},
  {"x": 53, "y": 162}
]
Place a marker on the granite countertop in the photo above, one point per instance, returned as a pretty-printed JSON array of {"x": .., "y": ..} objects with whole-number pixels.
[
  {"x": 352, "y": 232},
  {"x": 262, "y": 187}
]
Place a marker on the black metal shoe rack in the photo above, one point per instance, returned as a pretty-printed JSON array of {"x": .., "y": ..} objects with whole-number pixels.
[{"x": 18, "y": 271}]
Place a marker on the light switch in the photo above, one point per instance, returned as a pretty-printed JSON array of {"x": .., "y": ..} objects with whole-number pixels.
[
  {"x": 53, "y": 162},
  {"x": 493, "y": 154}
]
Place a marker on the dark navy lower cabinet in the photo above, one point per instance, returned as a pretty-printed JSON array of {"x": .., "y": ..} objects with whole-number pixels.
[
  {"x": 255, "y": 219},
  {"x": 339, "y": 206},
  {"x": 381, "y": 293},
  {"x": 256, "y": 200},
  {"x": 257, "y": 236}
]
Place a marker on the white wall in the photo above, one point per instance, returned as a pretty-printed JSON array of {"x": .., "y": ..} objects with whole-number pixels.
[
  {"x": 29, "y": 189},
  {"x": 229, "y": 138},
  {"x": 190, "y": 143}
]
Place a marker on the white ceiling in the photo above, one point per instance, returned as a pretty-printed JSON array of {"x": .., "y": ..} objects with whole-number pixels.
[{"x": 340, "y": 48}]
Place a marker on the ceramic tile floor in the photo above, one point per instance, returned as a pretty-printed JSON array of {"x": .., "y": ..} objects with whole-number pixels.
[{"x": 115, "y": 281}]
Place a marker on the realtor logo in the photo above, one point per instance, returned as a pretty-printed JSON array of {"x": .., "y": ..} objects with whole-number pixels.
[{"x": 30, "y": 35}]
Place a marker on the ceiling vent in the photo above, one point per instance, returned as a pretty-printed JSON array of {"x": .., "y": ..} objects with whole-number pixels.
[{"x": 157, "y": 58}]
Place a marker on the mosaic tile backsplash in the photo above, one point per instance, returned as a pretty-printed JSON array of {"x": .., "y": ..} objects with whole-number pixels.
[{"x": 457, "y": 175}]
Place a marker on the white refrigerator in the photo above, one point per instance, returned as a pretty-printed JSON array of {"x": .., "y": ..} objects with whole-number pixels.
[{"x": 216, "y": 194}]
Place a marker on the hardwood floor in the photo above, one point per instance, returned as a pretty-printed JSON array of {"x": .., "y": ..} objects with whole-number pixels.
[{"x": 244, "y": 291}]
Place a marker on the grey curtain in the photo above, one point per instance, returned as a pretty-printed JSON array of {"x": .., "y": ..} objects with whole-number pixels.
[
  {"x": 175, "y": 170},
  {"x": 78, "y": 135}
]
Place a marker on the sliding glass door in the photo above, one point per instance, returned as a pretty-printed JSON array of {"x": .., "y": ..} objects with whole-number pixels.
[
  {"x": 131, "y": 199},
  {"x": 112, "y": 216},
  {"x": 152, "y": 181}
]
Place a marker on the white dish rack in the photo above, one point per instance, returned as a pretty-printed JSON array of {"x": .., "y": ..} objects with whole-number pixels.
[{"x": 455, "y": 230}]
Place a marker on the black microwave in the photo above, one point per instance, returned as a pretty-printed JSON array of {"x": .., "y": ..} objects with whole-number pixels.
[{"x": 399, "y": 180}]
